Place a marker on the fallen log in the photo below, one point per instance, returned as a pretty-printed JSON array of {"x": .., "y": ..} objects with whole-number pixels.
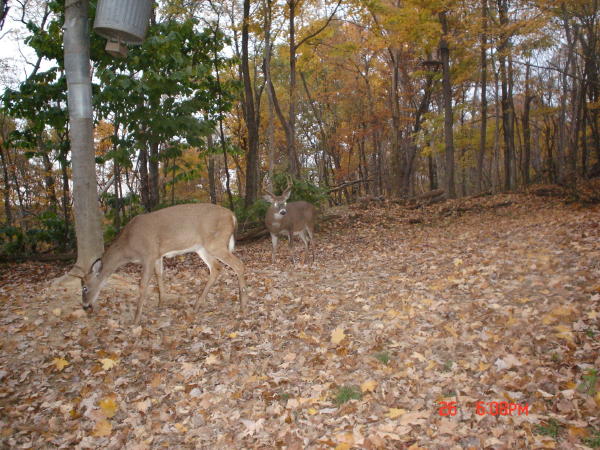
[{"x": 42, "y": 257}]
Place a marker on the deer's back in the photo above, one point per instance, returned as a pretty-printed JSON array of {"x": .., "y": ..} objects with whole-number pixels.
[{"x": 178, "y": 228}]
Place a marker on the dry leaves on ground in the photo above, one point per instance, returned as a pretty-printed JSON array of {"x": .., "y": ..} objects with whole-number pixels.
[{"x": 400, "y": 335}]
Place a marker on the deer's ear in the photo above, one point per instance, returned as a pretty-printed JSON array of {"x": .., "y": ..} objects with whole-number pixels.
[
  {"x": 268, "y": 198},
  {"x": 286, "y": 194},
  {"x": 97, "y": 266}
]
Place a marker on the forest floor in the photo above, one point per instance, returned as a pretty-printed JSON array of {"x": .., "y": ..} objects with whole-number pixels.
[{"x": 490, "y": 303}]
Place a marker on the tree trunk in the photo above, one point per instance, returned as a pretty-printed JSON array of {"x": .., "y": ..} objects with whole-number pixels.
[
  {"x": 212, "y": 186},
  {"x": 448, "y": 120},
  {"x": 144, "y": 183},
  {"x": 66, "y": 210},
  {"x": 507, "y": 110},
  {"x": 270, "y": 137},
  {"x": 250, "y": 116},
  {"x": 526, "y": 129},
  {"x": 483, "y": 109},
  {"x": 88, "y": 226},
  {"x": 153, "y": 176},
  {"x": 49, "y": 182},
  {"x": 396, "y": 166},
  {"x": 291, "y": 136},
  {"x": 6, "y": 190}
]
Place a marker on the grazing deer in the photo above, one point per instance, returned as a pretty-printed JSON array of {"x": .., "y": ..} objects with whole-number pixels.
[
  {"x": 203, "y": 228},
  {"x": 291, "y": 219}
]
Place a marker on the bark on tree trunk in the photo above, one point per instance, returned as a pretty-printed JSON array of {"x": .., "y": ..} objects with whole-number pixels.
[
  {"x": 483, "y": 110},
  {"x": 291, "y": 136},
  {"x": 153, "y": 176},
  {"x": 250, "y": 116},
  {"x": 144, "y": 184},
  {"x": 212, "y": 187},
  {"x": 49, "y": 183},
  {"x": 448, "y": 120},
  {"x": 88, "y": 226},
  {"x": 526, "y": 129},
  {"x": 6, "y": 189},
  {"x": 506, "y": 86}
]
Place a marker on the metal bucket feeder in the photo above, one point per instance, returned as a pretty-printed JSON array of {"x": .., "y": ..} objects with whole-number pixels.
[{"x": 122, "y": 22}]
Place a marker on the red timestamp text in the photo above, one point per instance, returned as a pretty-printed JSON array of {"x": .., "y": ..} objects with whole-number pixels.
[{"x": 486, "y": 408}]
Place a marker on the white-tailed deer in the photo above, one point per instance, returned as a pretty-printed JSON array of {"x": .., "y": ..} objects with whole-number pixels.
[
  {"x": 291, "y": 219},
  {"x": 203, "y": 228}
]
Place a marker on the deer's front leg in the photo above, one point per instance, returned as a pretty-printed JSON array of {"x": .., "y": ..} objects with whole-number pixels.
[
  {"x": 146, "y": 275},
  {"x": 158, "y": 270},
  {"x": 291, "y": 244},
  {"x": 274, "y": 240}
]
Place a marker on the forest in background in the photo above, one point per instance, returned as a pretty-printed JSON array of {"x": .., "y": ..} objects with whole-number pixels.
[{"x": 354, "y": 99}]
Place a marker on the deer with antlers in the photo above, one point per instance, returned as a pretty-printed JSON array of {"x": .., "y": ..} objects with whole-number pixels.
[{"x": 291, "y": 219}]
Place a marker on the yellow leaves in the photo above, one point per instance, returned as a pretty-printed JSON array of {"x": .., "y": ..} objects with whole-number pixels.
[
  {"x": 394, "y": 413},
  {"x": 418, "y": 356},
  {"x": 312, "y": 411},
  {"x": 564, "y": 332},
  {"x": 337, "y": 335},
  {"x": 368, "y": 386},
  {"x": 60, "y": 363},
  {"x": 597, "y": 399},
  {"x": 560, "y": 312},
  {"x": 483, "y": 366},
  {"x": 450, "y": 330},
  {"x": 232, "y": 335},
  {"x": 108, "y": 363},
  {"x": 343, "y": 446},
  {"x": 109, "y": 406},
  {"x": 393, "y": 313},
  {"x": 103, "y": 428},
  {"x": 181, "y": 428}
]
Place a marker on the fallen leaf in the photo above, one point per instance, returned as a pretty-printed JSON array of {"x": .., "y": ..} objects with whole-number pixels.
[
  {"x": 108, "y": 363},
  {"x": 60, "y": 363},
  {"x": 103, "y": 428},
  {"x": 394, "y": 413},
  {"x": 337, "y": 335},
  {"x": 368, "y": 386},
  {"x": 109, "y": 406},
  {"x": 212, "y": 359}
]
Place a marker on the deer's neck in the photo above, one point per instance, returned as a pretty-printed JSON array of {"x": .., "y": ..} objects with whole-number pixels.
[
  {"x": 111, "y": 261},
  {"x": 277, "y": 221}
]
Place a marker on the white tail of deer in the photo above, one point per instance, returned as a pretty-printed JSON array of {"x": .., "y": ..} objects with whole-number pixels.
[
  {"x": 291, "y": 219},
  {"x": 203, "y": 228}
]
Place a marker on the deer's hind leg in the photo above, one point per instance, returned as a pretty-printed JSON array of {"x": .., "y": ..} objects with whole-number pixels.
[
  {"x": 310, "y": 231},
  {"x": 274, "y": 240},
  {"x": 305, "y": 237},
  {"x": 144, "y": 282},
  {"x": 214, "y": 267},
  {"x": 158, "y": 270},
  {"x": 226, "y": 257}
]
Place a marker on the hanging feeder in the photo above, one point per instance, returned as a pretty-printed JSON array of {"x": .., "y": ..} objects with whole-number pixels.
[{"x": 122, "y": 22}]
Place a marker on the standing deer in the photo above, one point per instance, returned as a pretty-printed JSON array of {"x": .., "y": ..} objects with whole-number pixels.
[
  {"x": 203, "y": 228},
  {"x": 291, "y": 219}
]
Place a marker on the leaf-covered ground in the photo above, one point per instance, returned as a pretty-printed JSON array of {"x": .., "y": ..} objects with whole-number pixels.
[{"x": 486, "y": 300}]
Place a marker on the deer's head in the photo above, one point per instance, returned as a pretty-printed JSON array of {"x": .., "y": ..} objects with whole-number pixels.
[
  {"x": 91, "y": 283},
  {"x": 279, "y": 202}
]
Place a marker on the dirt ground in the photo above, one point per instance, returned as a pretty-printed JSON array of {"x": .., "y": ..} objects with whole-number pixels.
[{"x": 467, "y": 324}]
